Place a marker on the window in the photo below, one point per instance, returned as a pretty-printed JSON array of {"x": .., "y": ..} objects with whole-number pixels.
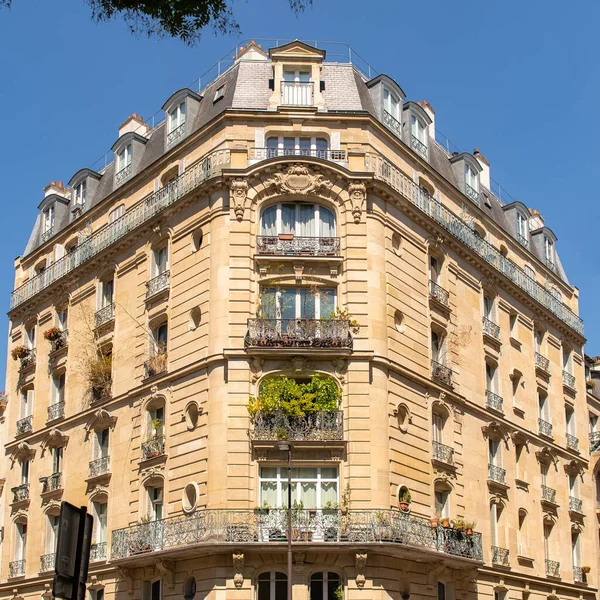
[
  {"x": 300, "y": 219},
  {"x": 436, "y": 347},
  {"x": 434, "y": 269},
  {"x": 549, "y": 250},
  {"x": 160, "y": 261},
  {"x": 325, "y": 586},
  {"x": 539, "y": 340},
  {"x": 296, "y": 88},
  {"x": 49, "y": 219},
  {"x": 513, "y": 320},
  {"x": 63, "y": 318},
  {"x": 495, "y": 452},
  {"x": 573, "y": 486},
  {"x": 20, "y": 541},
  {"x": 441, "y": 591},
  {"x": 494, "y": 524},
  {"x": 315, "y": 487},
  {"x": 151, "y": 591},
  {"x": 567, "y": 360},
  {"x": 593, "y": 423},
  {"x": 272, "y": 586},
  {"x": 220, "y": 93},
  {"x": 547, "y": 535},
  {"x": 491, "y": 377},
  {"x": 437, "y": 427},
  {"x": 79, "y": 194},
  {"x": 522, "y": 225},
  {"x": 417, "y": 129},
  {"x": 57, "y": 459},
  {"x": 442, "y": 501},
  {"x": 543, "y": 407},
  {"x": 51, "y": 533},
  {"x": 176, "y": 116},
  {"x": 391, "y": 104},
  {"x": 520, "y": 461},
  {"x": 101, "y": 449},
  {"x": 471, "y": 179},
  {"x": 488, "y": 308},
  {"x": 58, "y": 388},
  {"x": 576, "y": 548},
  {"x": 25, "y": 471},
  {"x": 26, "y": 403},
  {"x": 116, "y": 213},
  {"x": 30, "y": 337},
  {"x": 522, "y": 532},
  {"x": 160, "y": 338},
  {"x": 297, "y": 303},
  {"x": 107, "y": 293},
  {"x": 570, "y": 420},
  {"x": 155, "y": 502},
  {"x": 124, "y": 158},
  {"x": 100, "y": 522},
  {"x": 156, "y": 421},
  {"x": 297, "y": 146}
]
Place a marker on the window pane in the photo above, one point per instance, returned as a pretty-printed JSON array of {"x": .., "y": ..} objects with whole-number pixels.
[
  {"x": 289, "y": 146},
  {"x": 326, "y": 223},
  {"x": 327, "y": 302},
  {"x": 306, "y": 226},
  {"x": 268, "y": 304},
  {"x": 288, "y": 303},
  {"x": 316, "y": 587},
  {"x": 305, "y": 473},
  {"x": 307, "y": 303},
  {"x": 308, "y": 494},
  {"x": 333, "y": 583},
  {"x": 329, "y": 492},
  {"x": 268, "y": 493},
  {"x": 288, "y": 218}
]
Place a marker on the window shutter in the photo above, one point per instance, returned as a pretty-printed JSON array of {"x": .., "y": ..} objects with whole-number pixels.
[
  {"x": 59, "y": 252},
  {"x": 259, "y": 138},
  {"x": 335, "y": 140},
  {"x": 29, "y": 403}
]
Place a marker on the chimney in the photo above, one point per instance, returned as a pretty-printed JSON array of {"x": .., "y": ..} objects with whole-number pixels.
[
  {"x": 429, "y": 110},
  {"x": 134, "y": 123},
  {"x": 536, "y": 221},
  {"x": 56, "y": 188},
  {"x": 484, "y": 176}
]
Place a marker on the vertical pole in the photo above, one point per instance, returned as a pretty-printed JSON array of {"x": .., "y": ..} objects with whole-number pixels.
[{"x": 289, "y": 527}]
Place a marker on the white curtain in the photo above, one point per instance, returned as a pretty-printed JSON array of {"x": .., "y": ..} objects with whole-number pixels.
[
  {"x": 326, "y": 223},
  {"x": 306, "y": 225},
  {"x": 288, "y": 218},
  {"x": 327, "y": 302},
  {"x": 269, "y": 221}
]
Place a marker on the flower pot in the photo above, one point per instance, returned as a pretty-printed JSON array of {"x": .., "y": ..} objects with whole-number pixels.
[
  {"x": 344, "y": 510},
  {"x": 585, "y": 569},
  {"x": 469, "y": 531},
  {"x": 434, "y": 522},
  {"x": 445, "y": 523},
  {"x": 286, "y": 236},
  {"x": 404, "y": 506},
  {"x": 312, "y": 512}
]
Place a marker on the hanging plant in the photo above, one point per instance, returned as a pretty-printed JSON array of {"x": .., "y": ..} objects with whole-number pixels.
[
  {"x": 52, "y": 334},
  {"x": 20, "y": 352}
]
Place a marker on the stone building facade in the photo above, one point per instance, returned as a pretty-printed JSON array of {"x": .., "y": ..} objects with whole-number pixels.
[{"x": 297, "y": 217}]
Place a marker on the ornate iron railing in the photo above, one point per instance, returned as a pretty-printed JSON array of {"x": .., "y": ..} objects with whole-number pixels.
[
  {"x": 549, "y": 264},
  {"x": 47, "y": 234},
  {"x": 158, "y": 284},
  {"x": 471, "y": 193},
  {"x": 542, "y": 362},
  {"x": 299, "y": 333},
  {"x": 490, "y": 328},
  {"x": 390, "y": 121},
  {"x": 552, "y": 568},
  {"x": 100, "y": 466},
  {"x": 298, "y": 246},
  {"x": 418, "y": 146},
  {"x": 51, "y": 483},
  {"x": 98, "y": 551},
  {"x": 575, "y": 504},
  {"x": 47, "y": 562},
  {"x": 545, "y": 428},
  {"x": 500, "y": 556},
  {"x": 20, "y": 493},
  {"x": 438, "y": 293},
  {"x": 56, "y": 411},
  {"x": 174, "y": 135},
  {"x": 594, "y": 441},
  {"x": 25, "y": 425},
  {"x": 577, "y": 575},
  {"x": 548, "y": 494},
  {"x": 319, "y": 426},
  {"x": 464, "y": 232},
  {"x": 224, "y": 526},
  {"x": 496, "y": 473},
  {"x": 16, "y": 568},
  {"x": 443, "y": 453},
  {"x": 569, "y": 380},
  {"x": 28, "y": 360},
  {"x": 153, "y": 447},
  {"x": 104, "y": 315},
  {"x": 208, "y": 166},
  {"x": 60, "y": 342},
  {"x": 572, "y": 442},
  {"x": 494, "y": 401},
  {"x": 265, "y": 153},
  {"x": 441, "y": 373},
  {"x": 522, "y": 240},
  {"x": 297, "y": 93},
  {"x": 123, "y": 174}
]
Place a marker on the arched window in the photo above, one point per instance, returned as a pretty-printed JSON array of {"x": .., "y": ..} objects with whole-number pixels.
[
  {"x": 272, "y": 585},
  {"x": 152, "y": 590},
  {"x": 157, "y": 361},
  {"x": 441, "y": 591},
  {"x": 297, "y": 302},
  {"x": 297, "y": 146},
  {"x": 155, "y": 430},
  {"x": 155, "y": 500},
  {"x": 442, "y": 499},
  {"x": 576, "y": 552},
  {"x": 442, "y": 451},
  {"x": 325, "y": 585},
  {"x": 100, "y": 514},
  {"x": 52, "y": 521},
  {"x": 522, "y": 533},
  {"x": 300, "y": 219}
]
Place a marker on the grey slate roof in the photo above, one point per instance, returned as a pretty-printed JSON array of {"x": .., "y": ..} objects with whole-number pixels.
[{"x": 341, "y": 90}]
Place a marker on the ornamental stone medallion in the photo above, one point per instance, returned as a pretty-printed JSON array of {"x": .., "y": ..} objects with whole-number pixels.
[{"x": 299, "y": 180}]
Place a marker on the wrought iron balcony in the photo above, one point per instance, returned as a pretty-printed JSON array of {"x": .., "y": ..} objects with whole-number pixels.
[
  {"x": 548, "y": 494},
  {"x": 143, "y": 211},
  {"x": 98, "y": 551},
  {"x": 258, "y": 154},
  {"x": 490, "y": 328},
  {"x": 578, "y": 575},
  {"x": 60, "y": 342},
  {"x": 20, "y": 493},
  {"x": 100, "y": 466},
  {"x": 156, "y": 365},
  {"x": 47, "y": 562},
  {"x": 28, "y": 360},
  {"x": 545, "y": 428},
  {"x": 572, "y": 442},
  {"x": 552, "y": 568},
  {"x": 297, "y": 246},
  {"x": 51, "y": 483},
  {"x": 158, "y": 284},
  {"x": 153, "y": 447},
  {"x": 47, "y": 234},
  {"x": 500, "y": 556},
  {"x": 569, "y": 380},
  {"x": 443, "y": 453},
  {"x": 418, "y": 146},
  {"x": 232, "y": 526},
  {"x": 496, "y": 474},
  {"x": 320, "y": 426},
  {"x": 438, "y": 293},
  {"x": 494, "y": 401},
  {"x": 441, "y": 373},
  {"x": 471, "y": 193},
  {"x": 16, "y": 568},
  {"x": 56, "y": 411},
  {"x": 298, "y": 333},
  {"x": 542, "y": 362},
  {"x": 176, "y": 134},
  {"x": 594, "y": 441},
  {"x": 549, "y": 264},
  {"x": 123, "y": 174},
  {"x": 575, "y": 504},
  {"x": 105, "y": 315},
  {"x": 25, "y": 425},
  {"x": 297, "y": 93},
  {"x": 522, "y": 240},
  {"x": 463, "y": 231},
  {"x": 390, "y": 121}
]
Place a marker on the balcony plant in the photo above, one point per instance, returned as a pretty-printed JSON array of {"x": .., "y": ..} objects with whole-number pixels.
[
  {"x": 262, "y": 510},
  {"x": 445, "y": 521},
  {"x": 157, "y": 364},
  {"x": 99, "y": 375},
  {"x": 346, "y": 500},
  {"x": 590, "y": 384},
  {"x": 585, "y": 569},
  {"x": 458, "y": 524},
  {"x": 435, "y": 521},
  {"x": 343, "y": 314},
  {"x": 337, "y": 595},
  {"x": 404, "y": 499},
  {"x": 469, "y": 526},
  {"x": 52, "y": 334},
  {"x": 20, "y": 352}
]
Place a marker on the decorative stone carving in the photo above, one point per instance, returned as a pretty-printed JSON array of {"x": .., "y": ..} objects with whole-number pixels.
[
  {"x": 238, "y": 570},
  {"x": 238, "y": 192},
  {"x": 298, "y": 180},
  {"x": 125, "y": 575},
  {"x": 361, "y": 563},
  {"x": 151, "y": 472},
  {"x": 47, "y": 593},
  {"x": 22, "y": 451},
  {"x": 16, "y": 595},
  {"x": 100, "y": 419},
  {"x": 54, "y": 439},
  {"x": 256, "y": 365},
  {"x": 358, "y": 194},
  {"x": 340, "y": 368},
  {"x": 299, "y": 558},
  {"x": 298, "y": 363},
  {"x": 164, "y": 569}
]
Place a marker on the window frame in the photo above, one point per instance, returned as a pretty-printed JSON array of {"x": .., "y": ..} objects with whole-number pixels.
[
  {"x": 391, "y": 103},
  {"x": 124, "y": 157},
  {"x": 176, "y": 116}
]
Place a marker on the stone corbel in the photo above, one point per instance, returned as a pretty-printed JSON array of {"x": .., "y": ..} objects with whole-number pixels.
[
  {"x": 238, "y": 569},
  {"x": 21, "y": 452},
  {"x": 299, "y": 564},
  {"x": 333, "y": 269},
  {"x": 361, "y": 563},
  {"x": 47, "y": 593},
  {"x": 256, "y": 367},
  {"x": 126, "y": 575},
  {"x": 95, "y": 583},
  {"x": 298, "y": 272},
  {"x": 16, "y": 595},
  {"x": 298, "y": 363},
  {"x": 164, "y": 569},
  {"x": 101, "y": 418},
  {"x": 358, "y": 194},
  {"x": 340, "y": 367},
  {"x": 238, "y": 192}
]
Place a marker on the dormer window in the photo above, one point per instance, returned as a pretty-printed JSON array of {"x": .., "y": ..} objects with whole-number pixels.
[
  {"x": 296, "y": 88},
  {"x": 79, "y": 194},
  {"x": 522, "y": 228},
  {"x": 549, "y": 252},
  {"x": 418, "y": 139},
  {"x": 297, "y": 146},
  {"x": 471, "y": 183},
  {"x": 176, "y": 122},
  {"x": 123, "y": 164},
  {"x": 48, "y": 225},
  {"x": 391, "y": 104}
]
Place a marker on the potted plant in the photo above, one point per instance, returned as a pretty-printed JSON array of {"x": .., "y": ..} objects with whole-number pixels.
[
  {"x": 435, "y": 521},
  {"x": 157, "y": 427},
  {"x": 262, "y": 510},
  {"x": 346, "y": 499},
  {"x": 586, "y": 570},
  {"x": 20, "y": 352},
  {"x": 469, "y": 526},
  {"x": 445, "y": 522},
  {"x": 458, "y": 524},
  {"x": 312, "y": 512},
  {"x": 404, "y": 498},
  {"x": 338, "y": 593},
  {"x": 52, "y": 334},
  {"x": 590, "y": 384}
]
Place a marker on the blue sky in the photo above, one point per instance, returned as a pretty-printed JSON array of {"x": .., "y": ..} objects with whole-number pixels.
[{"x": 518, "y": 80}]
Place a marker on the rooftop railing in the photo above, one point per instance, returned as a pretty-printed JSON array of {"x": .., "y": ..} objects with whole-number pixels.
[
  {"x": 319, "y": 426},
  {"x": 123, "y": 174},
  {"x": 522, "y": 240},
  {"x": 471, "y": 193},
  {"x": 404, "y": 185},
  {"x": 297, "y": 246},
  {"x": 418, "y": 146},
  {"x": 176, "y": 134},
  {"x": 141, "y": 212},
  {"x": 390, "y": 121},
  {"x": 47, "y": 234}
]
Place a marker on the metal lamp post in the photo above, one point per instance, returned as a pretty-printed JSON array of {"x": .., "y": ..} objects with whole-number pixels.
[{"x": 288, "y": 447}]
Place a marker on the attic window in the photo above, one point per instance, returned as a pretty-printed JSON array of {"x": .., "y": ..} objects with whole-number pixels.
[
  {"x": 219, "y": 93},
  {"x": 48, "y": 223},
  {"x": 79, "y": 194}
]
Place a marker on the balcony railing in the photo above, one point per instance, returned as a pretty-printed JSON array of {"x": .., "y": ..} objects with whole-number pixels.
[
  {"x": 390, "y": 121},
  {"x": 494, "y": 401},
  {"x": 230, "y": 526},
  {"x": 438, "y": 293},
  {"x": 569, "y": 380},
  {"x": 575, "y": 504},
  {"x": 466, "y": 234},
  {"x": 258, "y": 154},
  {"x": 51, "y": 483},
  {"x": 174, "y": 135},
  {"x": 16, "y": 568},
  {"x": 578, "y": 575},
  {"x": 28, "y": 360},
  {"x": 158, "y": 284},
  {"x": 100, "y": 466},
  {"x": 320, "y": 426},
  {"x": 20, "y": 493},
  {"x": 297, "y": 93},
  {"x": 500, "y": 556},
  {"x": 542, "y": 362},
  {"x": 156, "y": 365},
  {"x": 548, "y": 494},
  {"x": 56, "y": 411},
  {"x": 594, "y": 441},
  {"x": 60, "y": 342},
  {"x": 496, "y": 474},
  {"x": 47, "y": 562},
  {"x": 123, "y": 174},
  {"x": 105, "y": 315},
  {"x": 443, "y": 453},
  {"x": 545, "y": 428},
  {"x": 25, "y": 425},
  {"x": 153, "y": 447},
  {"x": 549, "y": 264},
  {"x": 522, "y": 240},
  {"x": 572, "y": 442},
  {"x": 298, "y": 246},
  {"x": 299, "y": 333},
  {"x": 441, "y": 373},
  {"x": 47, "y": 234},
  {"x": 552, "y": 568},
  {"x": 471, "y": 193},
  {"x": 490, "y": 328},
  {"x": 98, "y": 551},
  {"x": 141, "y": 212},
  {"x": 418, "y": 146}
]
